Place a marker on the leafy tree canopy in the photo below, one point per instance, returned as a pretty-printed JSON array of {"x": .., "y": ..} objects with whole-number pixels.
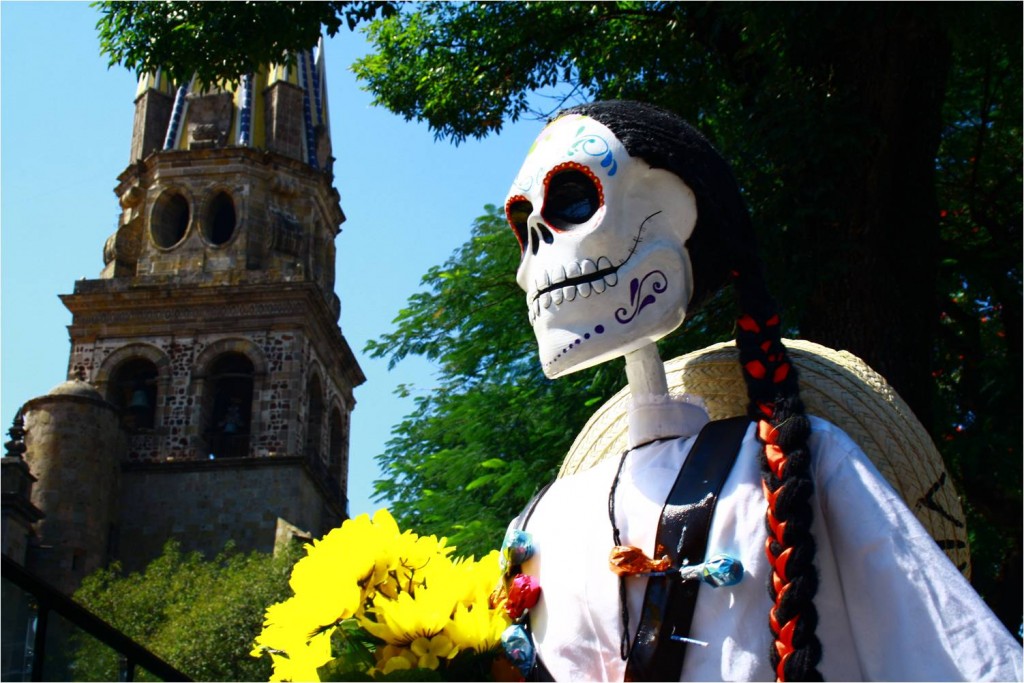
[
  {"x": 201, "y": 616},
  {"x": 220, "y": 41}
]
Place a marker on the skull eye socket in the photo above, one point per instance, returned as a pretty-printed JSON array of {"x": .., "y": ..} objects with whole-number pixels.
[
  {"x": 573, "y": 197},
  {"x": 518, "y": 210}
]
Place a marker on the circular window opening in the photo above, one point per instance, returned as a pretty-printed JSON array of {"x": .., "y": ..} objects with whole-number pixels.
[
  {"x": 170, "y": 220},
  {"x": 219, "y": 225}
]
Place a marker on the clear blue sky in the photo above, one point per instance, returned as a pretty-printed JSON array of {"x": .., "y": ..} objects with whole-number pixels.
[{"x": 65, "y": 134}]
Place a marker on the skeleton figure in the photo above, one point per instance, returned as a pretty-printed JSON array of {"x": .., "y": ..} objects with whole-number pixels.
[{"x": 628, "y": 219}]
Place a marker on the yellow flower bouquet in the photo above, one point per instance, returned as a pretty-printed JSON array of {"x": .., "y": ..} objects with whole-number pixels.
[{"x": 371, "y": 601}]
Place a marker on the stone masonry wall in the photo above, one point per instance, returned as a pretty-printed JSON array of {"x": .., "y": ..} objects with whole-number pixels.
[
  {"x": 282, "y": 360},
  {"x": 206, "y": 504}
]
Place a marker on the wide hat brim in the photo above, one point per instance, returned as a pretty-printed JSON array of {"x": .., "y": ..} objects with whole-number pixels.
[{"x": 834, "y": 385}]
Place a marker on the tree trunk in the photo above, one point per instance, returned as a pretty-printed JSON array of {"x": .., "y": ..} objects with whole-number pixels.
[{"x": 891, "y": 76}]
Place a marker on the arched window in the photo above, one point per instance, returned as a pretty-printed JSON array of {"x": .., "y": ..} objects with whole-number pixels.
[
  {"x": 336, "y": 449},
  {"x": 315, "y": 417},
  {"x": 133, "y": 391},
  {"x": 228, "y": 406}
]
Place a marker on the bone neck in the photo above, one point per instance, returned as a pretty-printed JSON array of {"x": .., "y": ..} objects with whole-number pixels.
[
  {"x": 654, "y": 414},
  {"x": 646, "y": 372}
]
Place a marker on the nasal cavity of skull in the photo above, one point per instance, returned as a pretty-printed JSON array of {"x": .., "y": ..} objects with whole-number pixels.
[
  {"x": 518, "y": 210},
  {"x": 573, "y": 196}
]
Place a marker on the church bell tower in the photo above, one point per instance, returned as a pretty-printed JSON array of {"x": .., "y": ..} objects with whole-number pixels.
[{"x": 211, "y": 335}]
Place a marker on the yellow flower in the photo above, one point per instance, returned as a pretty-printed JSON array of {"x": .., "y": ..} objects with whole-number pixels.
[
  {"x": 396, "y": 664},
  {"x": 402, "y": 588},
  {"x": 403, "y": 620},
  {"x": 430, "y": 650},
  {"x": 289, "y": 625},
  {"x": 327, "y": 580},
  {"x": 478, "y": 578},
  {"x": 302, "y": 662},
  {"x": 477, "y": 628},
  {"x": 391, "y": 658}
]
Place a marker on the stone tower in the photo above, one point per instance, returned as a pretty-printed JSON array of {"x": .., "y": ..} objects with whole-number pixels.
[{"x": 207, "y": 357}]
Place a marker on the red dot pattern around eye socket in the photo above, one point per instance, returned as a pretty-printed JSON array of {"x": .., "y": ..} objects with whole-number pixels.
[{"x": 576, "y": 166}]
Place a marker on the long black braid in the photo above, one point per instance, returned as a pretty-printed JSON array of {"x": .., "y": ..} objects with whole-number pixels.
[{"x": 722, "y": 247}]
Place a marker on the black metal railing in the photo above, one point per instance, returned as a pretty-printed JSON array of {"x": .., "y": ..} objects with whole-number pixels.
[{"x": 43, "y": 629}]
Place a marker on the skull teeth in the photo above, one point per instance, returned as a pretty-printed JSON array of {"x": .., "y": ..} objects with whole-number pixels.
[{"x": 548, "y": 292}]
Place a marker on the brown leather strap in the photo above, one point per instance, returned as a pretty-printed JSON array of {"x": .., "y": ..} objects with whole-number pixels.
[{"x": 683, "y": 535}]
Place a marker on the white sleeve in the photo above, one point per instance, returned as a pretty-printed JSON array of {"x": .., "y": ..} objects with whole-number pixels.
[{"x": 912, "y": 615}]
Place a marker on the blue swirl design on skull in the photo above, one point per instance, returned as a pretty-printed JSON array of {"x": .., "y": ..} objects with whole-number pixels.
[
  {"x": 638, "y": 300},
  {"x": 593, "y": 145}
]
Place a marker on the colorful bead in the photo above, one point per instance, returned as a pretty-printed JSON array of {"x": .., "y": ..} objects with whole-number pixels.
[
  {"x": 522, "y": 595},
  {"x": 722, "y": 570},
  {"x": 519, "y": 648},
  {"x": 516, "y": 548}
]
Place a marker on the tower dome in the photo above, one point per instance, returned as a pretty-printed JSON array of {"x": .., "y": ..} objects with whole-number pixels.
[{"x": 78, "y": 388}]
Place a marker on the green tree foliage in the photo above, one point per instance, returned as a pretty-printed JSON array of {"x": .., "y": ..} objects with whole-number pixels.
[
  {"x": 977, "y": 368},
  {"x": 830, "y": 114},
  {"x": 220, "y": 40},
  {"x": 201, "y": 616}
]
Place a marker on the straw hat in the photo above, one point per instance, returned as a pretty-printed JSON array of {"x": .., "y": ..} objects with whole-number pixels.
[{"x": 834, "y": 385}]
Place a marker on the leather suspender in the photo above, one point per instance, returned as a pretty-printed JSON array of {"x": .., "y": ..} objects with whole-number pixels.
[{"x": 683, "y": 536}]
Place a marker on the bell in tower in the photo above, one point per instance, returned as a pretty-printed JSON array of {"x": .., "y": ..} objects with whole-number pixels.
[{"x": 211, "y": 336}]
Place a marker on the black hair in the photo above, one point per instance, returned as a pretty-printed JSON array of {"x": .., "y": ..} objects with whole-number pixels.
[{"x": 722, "y": 248}]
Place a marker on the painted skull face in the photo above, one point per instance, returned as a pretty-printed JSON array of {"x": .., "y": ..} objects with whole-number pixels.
[{"x": 605, "y": 267}]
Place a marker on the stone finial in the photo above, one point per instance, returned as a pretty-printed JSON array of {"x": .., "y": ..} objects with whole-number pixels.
[{"x": 16, "y": 446}]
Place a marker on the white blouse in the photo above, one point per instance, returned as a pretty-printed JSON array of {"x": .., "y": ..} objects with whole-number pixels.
[{"x": 891, "y": 606}]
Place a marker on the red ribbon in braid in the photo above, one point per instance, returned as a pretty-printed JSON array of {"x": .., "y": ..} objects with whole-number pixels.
[
  {"x": 780, "y": 582},
  {"x": 773, "y": 366}
]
